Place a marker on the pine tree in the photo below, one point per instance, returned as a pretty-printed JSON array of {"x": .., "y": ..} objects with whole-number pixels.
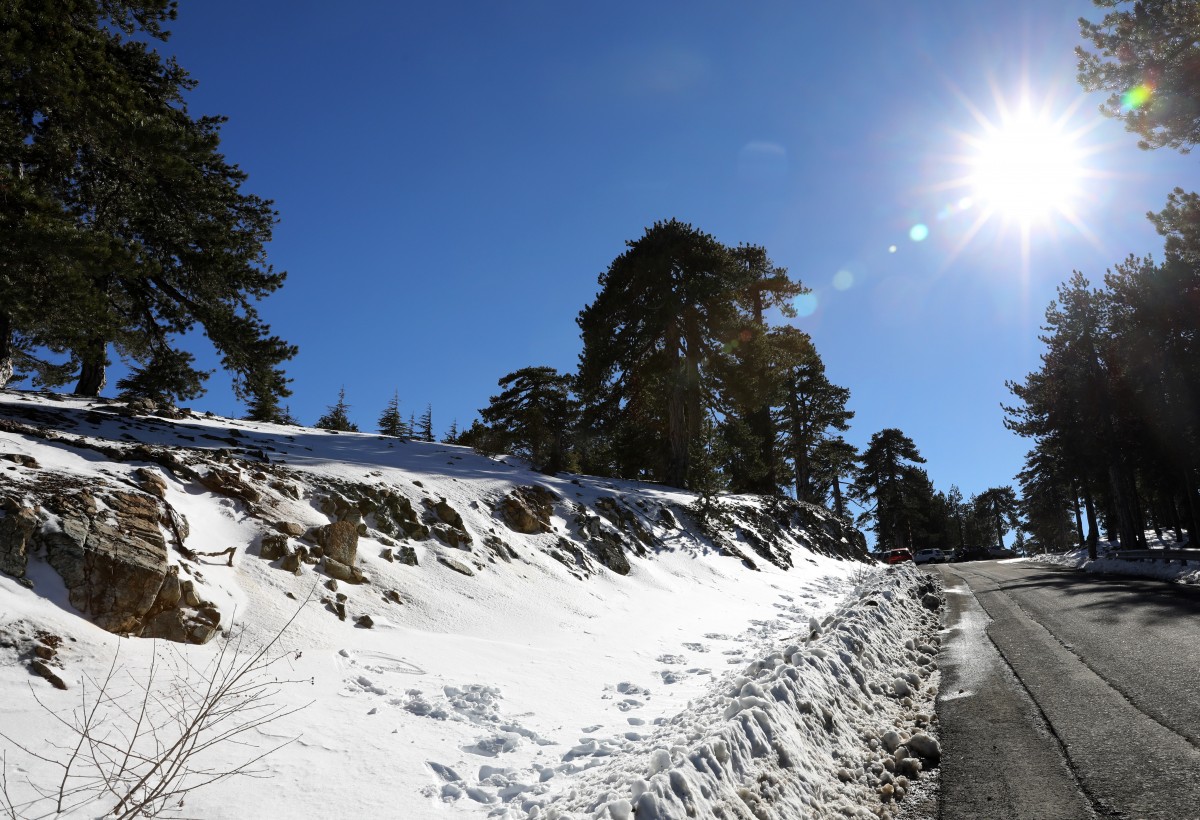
[
  {"x": 451, "y": 436},
  {"x": 1146, "y": 58},
  {"x": 534, "y": 417},
  {"x": 391, "y": 423},
  {"x": 124, "y": 226},
  {"x": 337, "y": 417},
  {"x": 890, "y": 486},
  {"x": 833, "y": 461},
  {"x": 424, "y": 428},
  {"x": 998, "y": 505},
  {"x": 651, "y": 336}
]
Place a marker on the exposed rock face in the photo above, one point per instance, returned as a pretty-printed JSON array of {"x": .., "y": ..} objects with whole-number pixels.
[
  {"x": 106, "y": 544},
  {"x": 457, "y": 566},
  {"x": 17, "y": 527},
  {"x": 527, "y": 510}
]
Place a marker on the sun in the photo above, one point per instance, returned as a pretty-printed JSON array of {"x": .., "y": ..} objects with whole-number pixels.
[{"x": 1026, "y": 168}]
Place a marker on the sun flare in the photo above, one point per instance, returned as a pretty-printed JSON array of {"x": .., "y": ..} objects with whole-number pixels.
[{"x": 1027, "y": 168}]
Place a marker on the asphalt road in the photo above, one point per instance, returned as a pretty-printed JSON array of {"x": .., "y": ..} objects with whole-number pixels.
[{"x": 1068, "y": 695}]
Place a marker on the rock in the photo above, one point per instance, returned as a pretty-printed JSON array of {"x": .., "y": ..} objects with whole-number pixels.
[
  {"x": 342, "y": 572},
  {"x": 445, "y": 513},
  {"x": 42, "y": 669},
  {"x": 455, "y": 565},
  {"x": 290, "y": 528},
  {"x": 452, "y": 537},
  {"x": 331, "y": 585},
  {"x": 17, "y": 527},
  {"x": 407, "y": 555},
  {"x": 20, "y": 458},
  {"x": 188, "y": 592},
  {"x": 387, "y": 555},
  {"x": 293, "y": 561},
  {"x": 931, "y": 601},
  {"x": 339, "y": 540},
  {"x": 273, "y": 547},
  {"x": 150, "y": 481},
  {"x": 364, "y": 622},
  {"x": 527, "y": 510},
  {"x": 114, "y": 565}
]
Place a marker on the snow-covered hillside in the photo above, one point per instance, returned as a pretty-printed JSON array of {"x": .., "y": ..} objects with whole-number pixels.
[{"x": 459, "y": 635}]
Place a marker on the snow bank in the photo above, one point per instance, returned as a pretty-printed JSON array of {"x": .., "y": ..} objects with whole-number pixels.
[
  {"x": 1107, "y": 563},
  {"x": 831, "y": 725}
]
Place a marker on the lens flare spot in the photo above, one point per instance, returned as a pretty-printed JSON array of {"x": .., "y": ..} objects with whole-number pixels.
[
  {"x": 843, "y": 280},
  {"x": 806, "y": 304},
  {"x": 1136, "y": 97},
  {"x": 919, "y": 232},
  {"x": 891, "y": 248}
]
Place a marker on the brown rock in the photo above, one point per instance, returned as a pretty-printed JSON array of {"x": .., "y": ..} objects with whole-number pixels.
[
  {"x": 339, "y": 541},
  {"x": 273, "y": 547},
  {"x": 290, "y": 528},
  {"x": 17, "y": 527},
  {"x": 150, "y": 481},
  {"x": 527, "y": 510},
  {"x": 342, "y": 572}
]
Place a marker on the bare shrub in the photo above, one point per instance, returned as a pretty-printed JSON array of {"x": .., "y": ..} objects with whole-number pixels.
[{"x": 140, "y": 739}]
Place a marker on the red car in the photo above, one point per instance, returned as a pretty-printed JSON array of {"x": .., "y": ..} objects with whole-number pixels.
[{"x": 897, "y": 556}]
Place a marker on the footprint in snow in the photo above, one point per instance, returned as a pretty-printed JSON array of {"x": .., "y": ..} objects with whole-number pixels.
[
  {"x": 717, "y": 636},
  {"x": 670, "y": 676},
  {"x": 696, "y": 647},
  {"x": 672, "y": 659},
  {"x": 630, "y": 703}
]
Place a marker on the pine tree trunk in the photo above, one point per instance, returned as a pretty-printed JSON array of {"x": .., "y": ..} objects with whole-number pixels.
[
  {"x": 92, "y": 374},
  {"x": 837, "y": 496},
  {"x": 762, "y": 427},
  {"x": 1093, "y": 534},
  {"x": 1189, "y": 486},
  {"x": 1126, "y": 536},
  {"x": 6, "y": 349},
  {"x": 677, "y": 441}
]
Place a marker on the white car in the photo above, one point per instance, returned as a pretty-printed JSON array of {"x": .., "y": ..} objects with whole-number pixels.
[{"x": 929, "y": 556}]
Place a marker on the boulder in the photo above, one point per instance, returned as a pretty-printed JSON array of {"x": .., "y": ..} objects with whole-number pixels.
[
  {"x": 451, "y": 536},
  {"x": 527, "y": 510},
  {"x": 445, "y": 513},
  {"x": 273, "y": 547},
  {"x": 290, "y": 528},
  {"x": 337, "y": 570},
  {"x": 339, "y": 541},
  {"x": 457, "y": 566},
  {"x": 407, "y": 555}
]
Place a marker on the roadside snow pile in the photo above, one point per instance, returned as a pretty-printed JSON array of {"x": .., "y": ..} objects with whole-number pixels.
[
  {"x": 832, "y": 725},
  {"x": 1108, "y": 563}
]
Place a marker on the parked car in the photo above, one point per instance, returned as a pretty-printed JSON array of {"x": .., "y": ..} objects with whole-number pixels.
[
  {"x": 896, "y": 556},
  {"x": 970, "y": 554},
  {"x": 932, "y": 555}
]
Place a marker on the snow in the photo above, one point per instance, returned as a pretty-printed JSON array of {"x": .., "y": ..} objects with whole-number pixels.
[
  {"x": 691, "y": 687},
  {"x": 1107, "y": 563}
]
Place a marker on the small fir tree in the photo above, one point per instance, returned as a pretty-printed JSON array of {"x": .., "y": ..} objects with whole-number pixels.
[
  {"x": 391, "y": 423},
  {"x": 451, "y": 434},
  {"x": 338, "y": 416},
  {"x": 424, "y": 430}
]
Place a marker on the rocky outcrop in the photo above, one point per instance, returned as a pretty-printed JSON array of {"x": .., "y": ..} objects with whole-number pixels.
[
  {"x": 17, "y": 527},
  {"x": 527, "y": 510},
  {"x": 107, "y": 545}
]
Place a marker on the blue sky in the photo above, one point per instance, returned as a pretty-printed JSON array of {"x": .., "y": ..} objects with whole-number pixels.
[{"x": 452, "y": 177}]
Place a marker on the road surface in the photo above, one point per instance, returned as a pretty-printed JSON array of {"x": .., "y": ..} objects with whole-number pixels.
[{"x": 1068, "y": 695}]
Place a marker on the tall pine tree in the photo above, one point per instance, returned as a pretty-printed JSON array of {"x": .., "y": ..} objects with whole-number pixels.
[{"x": 123, "y": 226}]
